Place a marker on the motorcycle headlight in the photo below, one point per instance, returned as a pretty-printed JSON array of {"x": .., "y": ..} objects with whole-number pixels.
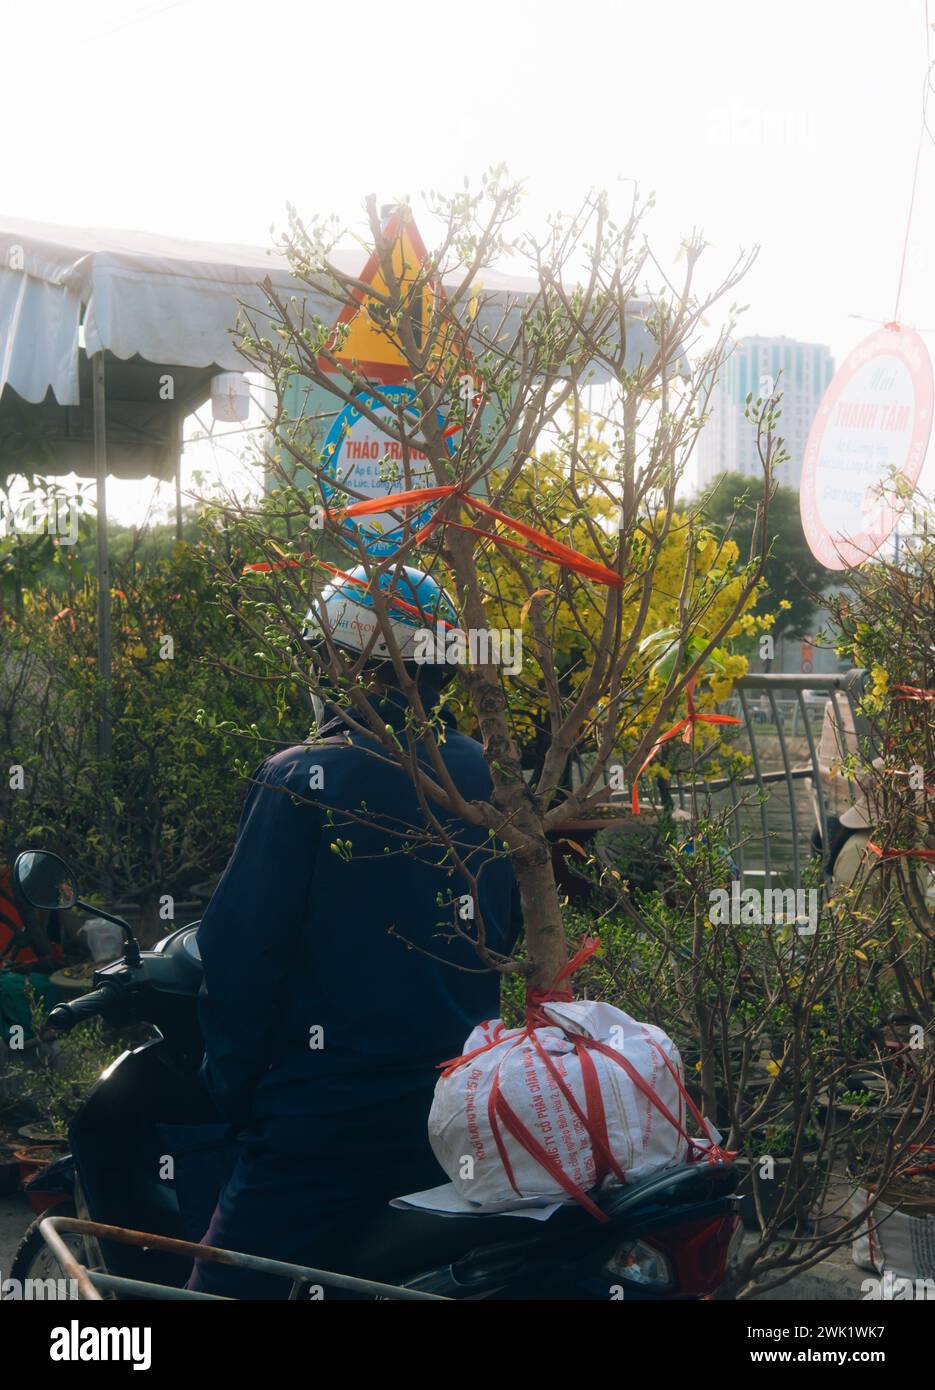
[{"x": 635, "y": 1262}]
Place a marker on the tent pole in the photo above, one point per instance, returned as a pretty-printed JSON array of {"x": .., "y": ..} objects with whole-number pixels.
[
  {"x": 104, "y": 727},
  {"x": 180, "y": 428}
]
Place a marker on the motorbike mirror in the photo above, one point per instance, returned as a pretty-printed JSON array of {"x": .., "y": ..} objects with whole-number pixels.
[{"x": 45, "y": 880}]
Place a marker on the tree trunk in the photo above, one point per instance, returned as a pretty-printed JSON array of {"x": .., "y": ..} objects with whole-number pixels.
[{"x": 523, "y": 829}]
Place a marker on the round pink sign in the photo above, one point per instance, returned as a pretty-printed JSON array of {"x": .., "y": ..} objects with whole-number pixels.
[{"x": 874, "y": 420}]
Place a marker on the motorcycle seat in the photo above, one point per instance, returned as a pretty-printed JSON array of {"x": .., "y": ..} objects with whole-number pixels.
[{"x": 391, "y": 1245}]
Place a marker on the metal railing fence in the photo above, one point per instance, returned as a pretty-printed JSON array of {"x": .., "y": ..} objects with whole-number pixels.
[{"x": 775, "y": 806}]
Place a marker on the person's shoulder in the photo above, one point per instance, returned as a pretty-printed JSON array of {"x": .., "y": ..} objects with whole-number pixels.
[
  {"x": 464, "y": 743},
  {"x": 461, "y": 751},
  {"x": 294, "y": 767}
]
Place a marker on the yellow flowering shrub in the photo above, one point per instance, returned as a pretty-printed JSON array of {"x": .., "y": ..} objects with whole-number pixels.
[{"x": 571, "y": 615}]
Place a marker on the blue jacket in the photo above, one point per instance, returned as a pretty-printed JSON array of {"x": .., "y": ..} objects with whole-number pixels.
[{"x": 330, "y": 982}]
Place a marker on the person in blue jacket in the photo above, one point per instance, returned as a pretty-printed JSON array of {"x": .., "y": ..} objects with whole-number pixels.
[{"x": 333, "y": 984}]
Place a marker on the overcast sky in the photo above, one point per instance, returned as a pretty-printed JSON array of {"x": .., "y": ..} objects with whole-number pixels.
[{"x": 793, "y": 126}]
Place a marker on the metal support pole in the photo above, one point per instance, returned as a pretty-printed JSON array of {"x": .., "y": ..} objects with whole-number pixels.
[
  {"x": 180, "y": 430},
  {"x": 104, "y": 644}
]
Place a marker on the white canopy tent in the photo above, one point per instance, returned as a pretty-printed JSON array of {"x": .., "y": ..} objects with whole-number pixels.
[
  {"x": 93, "y": 325},
  {"x": 163, "y": 299},
  {"x": 108, "y": 340},
  {"x": 136, "y": 294}
]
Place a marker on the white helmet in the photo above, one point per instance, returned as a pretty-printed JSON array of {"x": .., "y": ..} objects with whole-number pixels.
[{"x": 417, "y": 603}]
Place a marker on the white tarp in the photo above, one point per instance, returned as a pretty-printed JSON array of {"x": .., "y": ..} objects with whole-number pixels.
[
  {"x": 38, "y": 338},
  {"x": 166, "y": 299}
]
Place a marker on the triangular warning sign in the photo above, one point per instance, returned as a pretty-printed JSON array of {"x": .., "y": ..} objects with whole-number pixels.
[{"x": 369, "y": 344}]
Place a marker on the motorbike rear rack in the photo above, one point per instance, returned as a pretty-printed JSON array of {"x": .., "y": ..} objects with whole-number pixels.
[{"x": 89, "y": 1282}]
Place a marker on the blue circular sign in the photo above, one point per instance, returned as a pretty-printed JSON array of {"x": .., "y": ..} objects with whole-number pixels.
[{"x": 368, "y": 461}]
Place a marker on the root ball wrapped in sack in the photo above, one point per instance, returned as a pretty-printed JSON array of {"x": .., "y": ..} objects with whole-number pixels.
[{"x": 583, "y": 1095}]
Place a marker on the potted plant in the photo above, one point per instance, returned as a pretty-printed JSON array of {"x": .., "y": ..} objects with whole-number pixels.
[
  {"x": 54, "y": 1083},
  {"x": 780, "y": 1179}
]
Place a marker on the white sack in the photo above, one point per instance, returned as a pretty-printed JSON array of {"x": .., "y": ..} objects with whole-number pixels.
[
  {"x": 640, "y": 1138},
  {"x": 893, "y": 1241}
]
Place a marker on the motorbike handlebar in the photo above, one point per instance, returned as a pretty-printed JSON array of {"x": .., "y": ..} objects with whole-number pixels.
[{"x": 66, "y": 1016}]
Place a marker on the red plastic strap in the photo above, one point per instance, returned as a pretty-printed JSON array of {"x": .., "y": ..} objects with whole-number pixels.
[
  {"x": 595, "y": 1121},
  {"x": 926, "y": 854},
  {"x": 873, "y": 1248},
  {"x": 71, "y": 617},
  {"x": 494, "y": 1100},
  {"x": 536, "y": 997},
  {"x": 264, "y": 567},
  {"x": 546, "y": 547},
  {"x": 366, "y": 507},
  {"x": 499, "y": 1034},
  {"x": 683, "y": 727},
  {"x": 566, "y": 555},
  {"x": 922, "y": 1167},
  {"x": 644, "y": 1087},
  {"x": 498, "y": 1108},
  {"x": 591, "y": 570},
  {"x": 914, "y": 692},
  {"x": 412, "y": 497},
  {"x": 910, "y": 1172},
  {"x": 597, "y": 1115},
  {"x": 584, "y": 952},
  {"x": 395, "y": 601},
  {"x": 714, "y": 1150},
  {"x": 593, "y": 1117}
]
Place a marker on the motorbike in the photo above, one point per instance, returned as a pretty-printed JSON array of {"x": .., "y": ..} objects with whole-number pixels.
[{"x": 674, "y": 1235}]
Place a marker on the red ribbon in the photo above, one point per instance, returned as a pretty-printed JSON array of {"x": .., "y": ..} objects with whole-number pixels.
[
  {"x": 71, "y": 617},
  {"x": 546, "y": 548},
  {"x": 683, "y": 727},
  {"x": 396, "y": 601},
  {"x": 901, "y": 772},
  {"x": 593, "y": 1118},
  {"x": 265, "y": 567},
  {"x": 535, "y": 998},
  {"x": 927, "y": 854},
  {"x": 913, "y": 692}
]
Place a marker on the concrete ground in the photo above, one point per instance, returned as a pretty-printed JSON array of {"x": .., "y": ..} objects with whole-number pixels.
[
  {"x": 836, "y": 1279},
  {"x": 15, "y": 1216}
]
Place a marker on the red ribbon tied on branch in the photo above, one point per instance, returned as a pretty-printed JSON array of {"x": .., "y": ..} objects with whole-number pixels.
[
  {"x": 543, "y": 548},
  {"x": 927, "y": 854},
  {"x": 66, "y": 612},
  {"x": 683, "y": 727}
]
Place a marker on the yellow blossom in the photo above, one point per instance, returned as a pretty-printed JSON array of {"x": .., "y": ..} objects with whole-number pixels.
[{"x": 881, "y": 681}]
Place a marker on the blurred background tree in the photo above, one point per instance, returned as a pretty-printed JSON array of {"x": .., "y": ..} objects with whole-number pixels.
[{"x": 793, "y": 576}]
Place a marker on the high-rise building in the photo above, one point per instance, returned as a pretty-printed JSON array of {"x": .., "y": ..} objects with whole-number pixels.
[{"x": 801, "y": 371}]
